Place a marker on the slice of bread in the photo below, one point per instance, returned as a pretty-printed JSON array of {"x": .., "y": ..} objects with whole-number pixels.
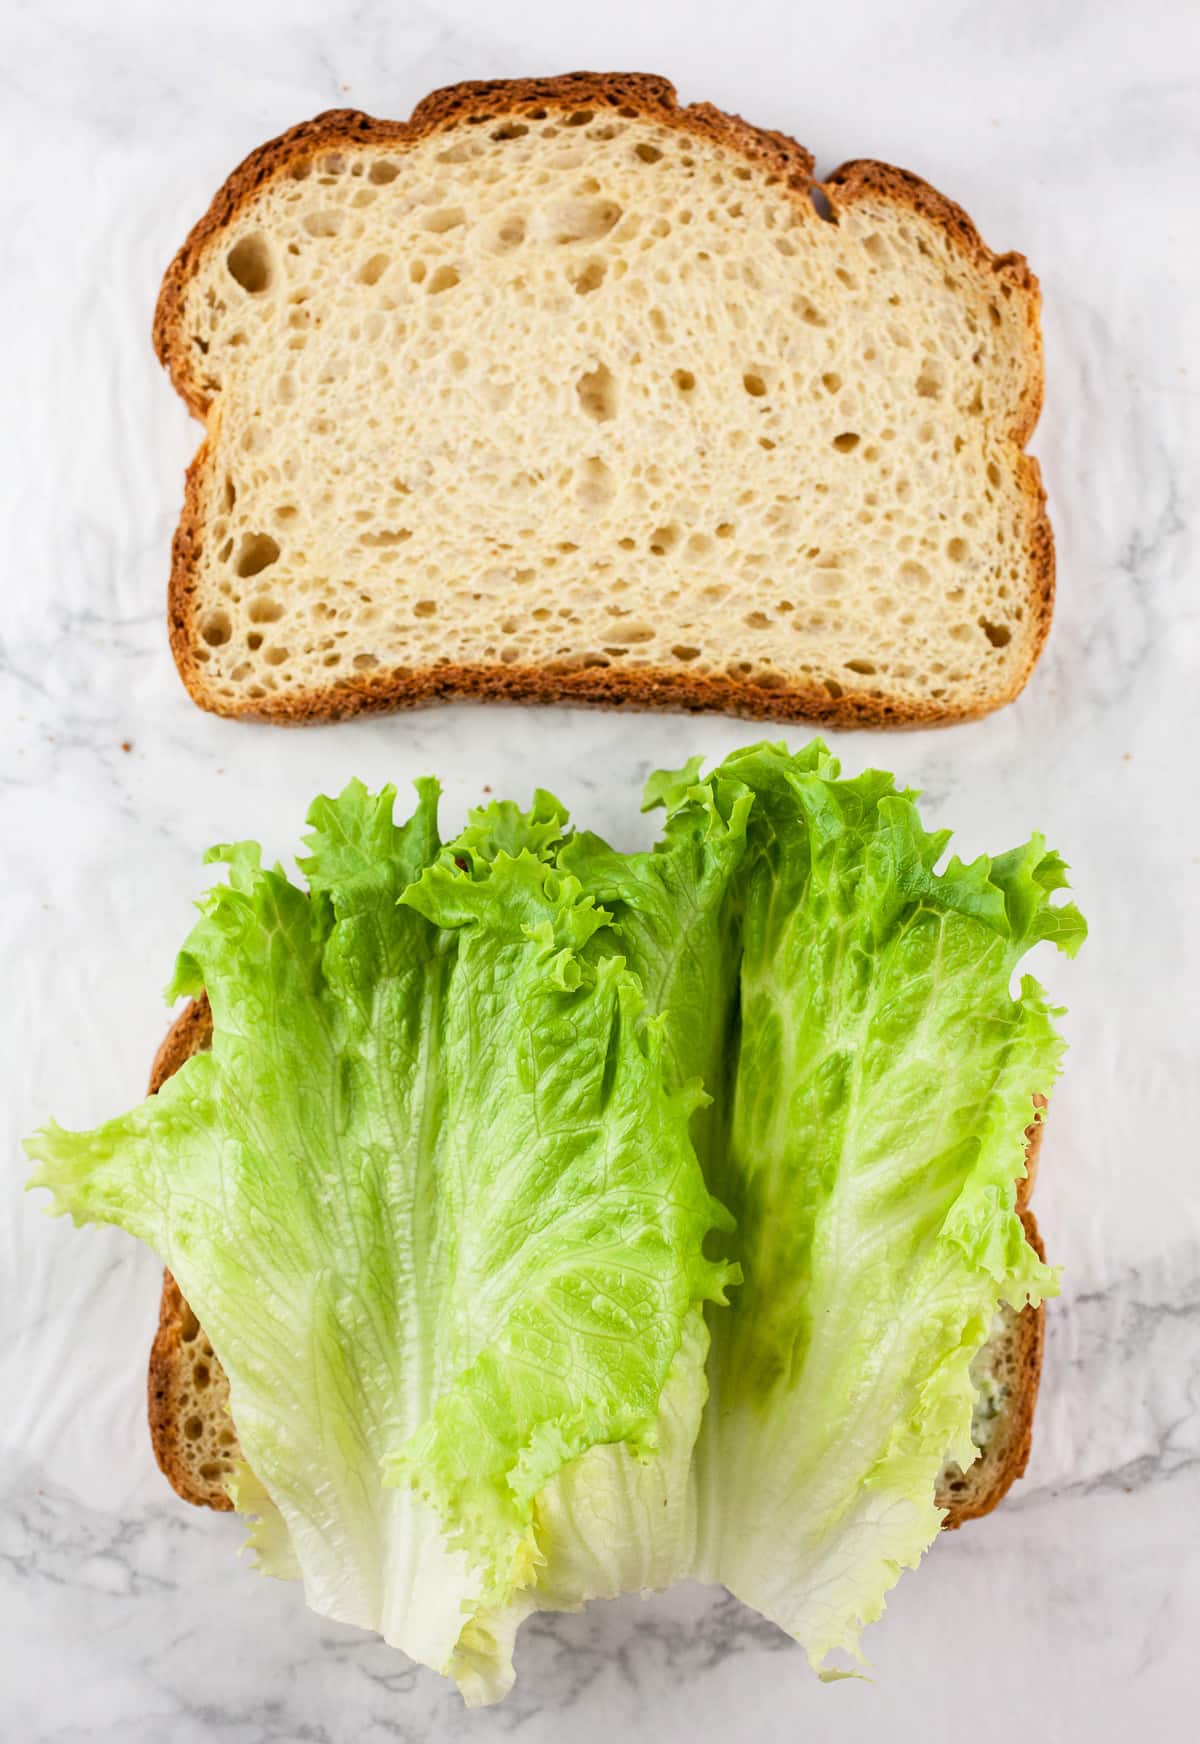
[
  {"x": 196, "y": 1444},
  {"x": 562, "y": 391}
]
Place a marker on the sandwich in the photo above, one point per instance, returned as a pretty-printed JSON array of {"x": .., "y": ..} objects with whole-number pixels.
[{"x": 546, "y": 1221}]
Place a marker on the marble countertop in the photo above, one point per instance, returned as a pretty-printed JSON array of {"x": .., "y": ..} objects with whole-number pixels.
[{"x": 1070, "y": 132}]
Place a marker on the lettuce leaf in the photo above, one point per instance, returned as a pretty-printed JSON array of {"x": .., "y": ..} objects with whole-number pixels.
[
  {"x": 431, "y": 1197},
  {"x": 870, "y": 1154},
  {"x": 849, "y": 1007}
]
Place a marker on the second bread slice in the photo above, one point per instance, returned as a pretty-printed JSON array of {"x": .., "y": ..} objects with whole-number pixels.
[{"x": 562, "y": 390}]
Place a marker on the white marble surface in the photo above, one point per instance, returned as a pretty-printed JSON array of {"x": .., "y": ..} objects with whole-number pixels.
[{"x": 1070, "y": 131}]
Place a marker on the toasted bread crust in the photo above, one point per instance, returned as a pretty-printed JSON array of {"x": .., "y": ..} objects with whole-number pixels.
[
  {"x": 1007, "y": 1454},
  {"x": 656, "y": 688},
  {"x": 191, "y": 1033},
  {"x": 178, "y": 1327},
  {"x": 1002, "y": 1464}
]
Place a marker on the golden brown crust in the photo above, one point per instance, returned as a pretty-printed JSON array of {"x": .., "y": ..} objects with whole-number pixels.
[
  {"x": 1007, "y": 1454},
  {"x": 990, "y": 1480},
  {"x": 1033, "y": 1150},
  {"x": 191, "y": 1033},
  {"x": 644, "y": 94},
  {"x": 178, "y": 1344}
]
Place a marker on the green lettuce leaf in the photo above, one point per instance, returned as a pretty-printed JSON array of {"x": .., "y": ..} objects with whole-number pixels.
[
  {"x": 849, "y": 1007},
  {"x": 618, "y": 1519},
  {"x": 433, "y": 1199},
  {"x": 885, "y": 1075},
  {"x": 621, "y": 1519},
  {"x": 870, "y": 1075}
]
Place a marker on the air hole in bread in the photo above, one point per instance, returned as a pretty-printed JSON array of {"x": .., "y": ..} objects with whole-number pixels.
[
  {"x": 383, "y": 171},
  {"x": 571, "y": 221},
  {"x": 509, "y": 233},
  {"x": 216, "y": 628},
  {"x": 931, "y": 380},
  {"x": 649, "y": 154},
  {"x": 847, "y": 442},
  {"x": 510, "y": 130},
  {"x": 597, "y": 393},
  {"x": 595, "y": 484},
  {"x": 389, "y": 536},
  {"x": 325, "y": 223},
  {"x": 443, "y": 219},
  {"x": 444, "y": 279},
  {"x": 256, "y": 552},
  {"x": 588, "y": 277},
  {"x": 999, "y": 635},
  {"x": 249, "y": 262},
  {"x": 664, "y": 539},
  {"x": 754, "y": 384},
  {"x": 372, "y": 270}
]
